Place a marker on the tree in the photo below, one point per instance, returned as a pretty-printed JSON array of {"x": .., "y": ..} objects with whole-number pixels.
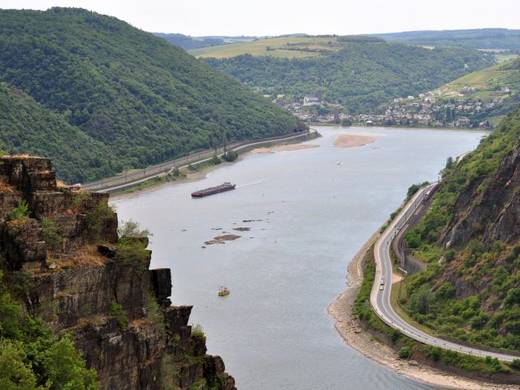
[
  {"x": 15, "y": 372},
  {"x": 131, "y": 229}
]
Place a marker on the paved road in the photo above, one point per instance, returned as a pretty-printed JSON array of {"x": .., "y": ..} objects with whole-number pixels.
[
  {"x": 380, "y": 298},
  {"x": 141, "y": 175}
]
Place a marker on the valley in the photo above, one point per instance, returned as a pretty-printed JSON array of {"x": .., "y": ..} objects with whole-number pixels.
[{"x": 363, "y": 224}]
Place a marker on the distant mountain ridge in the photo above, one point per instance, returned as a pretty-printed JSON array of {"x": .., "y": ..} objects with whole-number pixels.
[
  {"x": 483, "y": 38},
  {"x": 136, "y": 99},
  {"x": 486, "y": 38},
  {"x": 187, "y": 42}
]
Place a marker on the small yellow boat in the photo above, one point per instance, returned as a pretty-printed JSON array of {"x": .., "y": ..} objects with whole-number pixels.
[{"x": 223, "y": 291}]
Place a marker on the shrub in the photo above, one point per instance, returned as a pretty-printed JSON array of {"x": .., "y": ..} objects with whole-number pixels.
[
  {"x": 215, "y": 160},
  {"x": 421, "y": 300},
  {"x": 515, "y": 364},
  {"x": 230, "y": 156},
  {"x": 64, "y": 368},
  {"x": 493, "y": 364},
  {"x": 117, "y": 311},
  {"x": 198, "y": 332},
  {"x": 15, "y": 371},
  {"x": 31, "y": 357},
  {"x": 131, "y": 251},
  {"x": 51, "y": 234},
  {"x": 176, "y": 172},
  {"x": 405, "y": 353},
  {"x": 450, "y": 255},
  {"x": 513, "y": 297},
  {"x": 96, "y": 218},
  {"x": 131, "y": 229},
  {"x": 395, "y": 335},
  {"x": 435, "y": 353},
  {"x": 19, "y": 212},
  {"x": 446, "y": 291}
]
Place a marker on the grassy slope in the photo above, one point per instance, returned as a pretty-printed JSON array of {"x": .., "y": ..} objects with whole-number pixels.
[
  {"x": 487, "y": 81},
  {"x": 281, "y": 47},
  {"x": 469, "y": 292},
  {"x": 145, "y": 99}
]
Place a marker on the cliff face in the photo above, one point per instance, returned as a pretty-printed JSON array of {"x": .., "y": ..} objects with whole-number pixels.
[
  {"x": 470, "y": 240},
  {"x": 491, "y": 213},
  {"x": 82, "y": 279}
]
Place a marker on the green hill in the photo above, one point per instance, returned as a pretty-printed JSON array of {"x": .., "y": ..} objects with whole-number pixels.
[
  {"x": 486, "y": 83},
  {"x": 470, "y": 239},
  {"x": 137, "y": 96},
  {"x": 498, "y": 87},
  {"x": 358, "y": 72}
]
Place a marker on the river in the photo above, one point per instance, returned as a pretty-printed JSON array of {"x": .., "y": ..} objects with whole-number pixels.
[{"x": 309, "y": 211}]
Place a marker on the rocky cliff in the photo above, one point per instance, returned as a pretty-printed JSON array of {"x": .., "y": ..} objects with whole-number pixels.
[
  {"x": 470, "y": 239},
  {"x": 488, "y": 208},
  {"x": 81, "y": 278}
]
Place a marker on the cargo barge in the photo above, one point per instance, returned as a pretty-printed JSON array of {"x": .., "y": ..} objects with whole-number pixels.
[{"x": 213, "y": 190}]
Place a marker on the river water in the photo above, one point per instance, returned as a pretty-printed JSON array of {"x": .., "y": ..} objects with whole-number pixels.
[{"x": 309, "y": 211}]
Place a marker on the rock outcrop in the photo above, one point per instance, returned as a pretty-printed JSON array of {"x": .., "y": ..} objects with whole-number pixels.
[
  {"x": 85, "y": 280},
  {"x": 489, "y": 207}
]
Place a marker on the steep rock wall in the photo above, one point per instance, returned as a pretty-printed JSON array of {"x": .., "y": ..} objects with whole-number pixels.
[{"x": 82, "y": 279}]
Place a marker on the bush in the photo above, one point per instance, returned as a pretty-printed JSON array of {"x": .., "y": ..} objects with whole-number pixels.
[
  {"x": 132, "y": 251},
  {"x": 404, "y": 353},
  {"x": 230, "y": 156},
  {"x": 421, "y": 300},
  {"x": 64, "y": 368},
  {"x": 20, "y": 212},
  {"x": 15, "y": 371},
  {"x": 117, "y": 311},
  {"x": 31, "y": 357},
  {"x": 215, "y": 160},
  {"x": 96, "y": 219},
  {"x": 51, "y": 234},
  {"x": 198, "y": 332},
  {"x": 412, "y": 190},
  {"x": 435, "y": 353},
  {"x": 131, "y": 229},
  {"x": 515, "y": 364},
  {"x": 395, "y": 335}
]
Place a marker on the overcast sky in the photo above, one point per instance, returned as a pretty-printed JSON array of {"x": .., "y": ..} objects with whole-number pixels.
[{"x": 276, "y": 17}]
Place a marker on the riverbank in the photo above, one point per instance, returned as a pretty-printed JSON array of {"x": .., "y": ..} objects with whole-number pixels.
[
  {"x": 169, "y": 170},
  {"x": 355, "y": 334}
]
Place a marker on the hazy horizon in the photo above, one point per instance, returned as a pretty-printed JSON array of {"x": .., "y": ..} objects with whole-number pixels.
[{"x": 273, "y": 18}]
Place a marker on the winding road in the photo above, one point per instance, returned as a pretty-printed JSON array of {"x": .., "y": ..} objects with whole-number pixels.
[{"x": 380, "y": 296}]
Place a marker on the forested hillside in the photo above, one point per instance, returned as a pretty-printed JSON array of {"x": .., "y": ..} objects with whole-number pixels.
[
  {"x": 27, "y": 126},
  {"x": 485, "y": 38},
  {"x": 358, "y": 73},
  {"x": 137, "y": 99},
  {"x": 470, "y": 239}
]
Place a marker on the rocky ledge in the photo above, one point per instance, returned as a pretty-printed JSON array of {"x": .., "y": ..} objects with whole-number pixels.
[{"x": 60, "y": 246}]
